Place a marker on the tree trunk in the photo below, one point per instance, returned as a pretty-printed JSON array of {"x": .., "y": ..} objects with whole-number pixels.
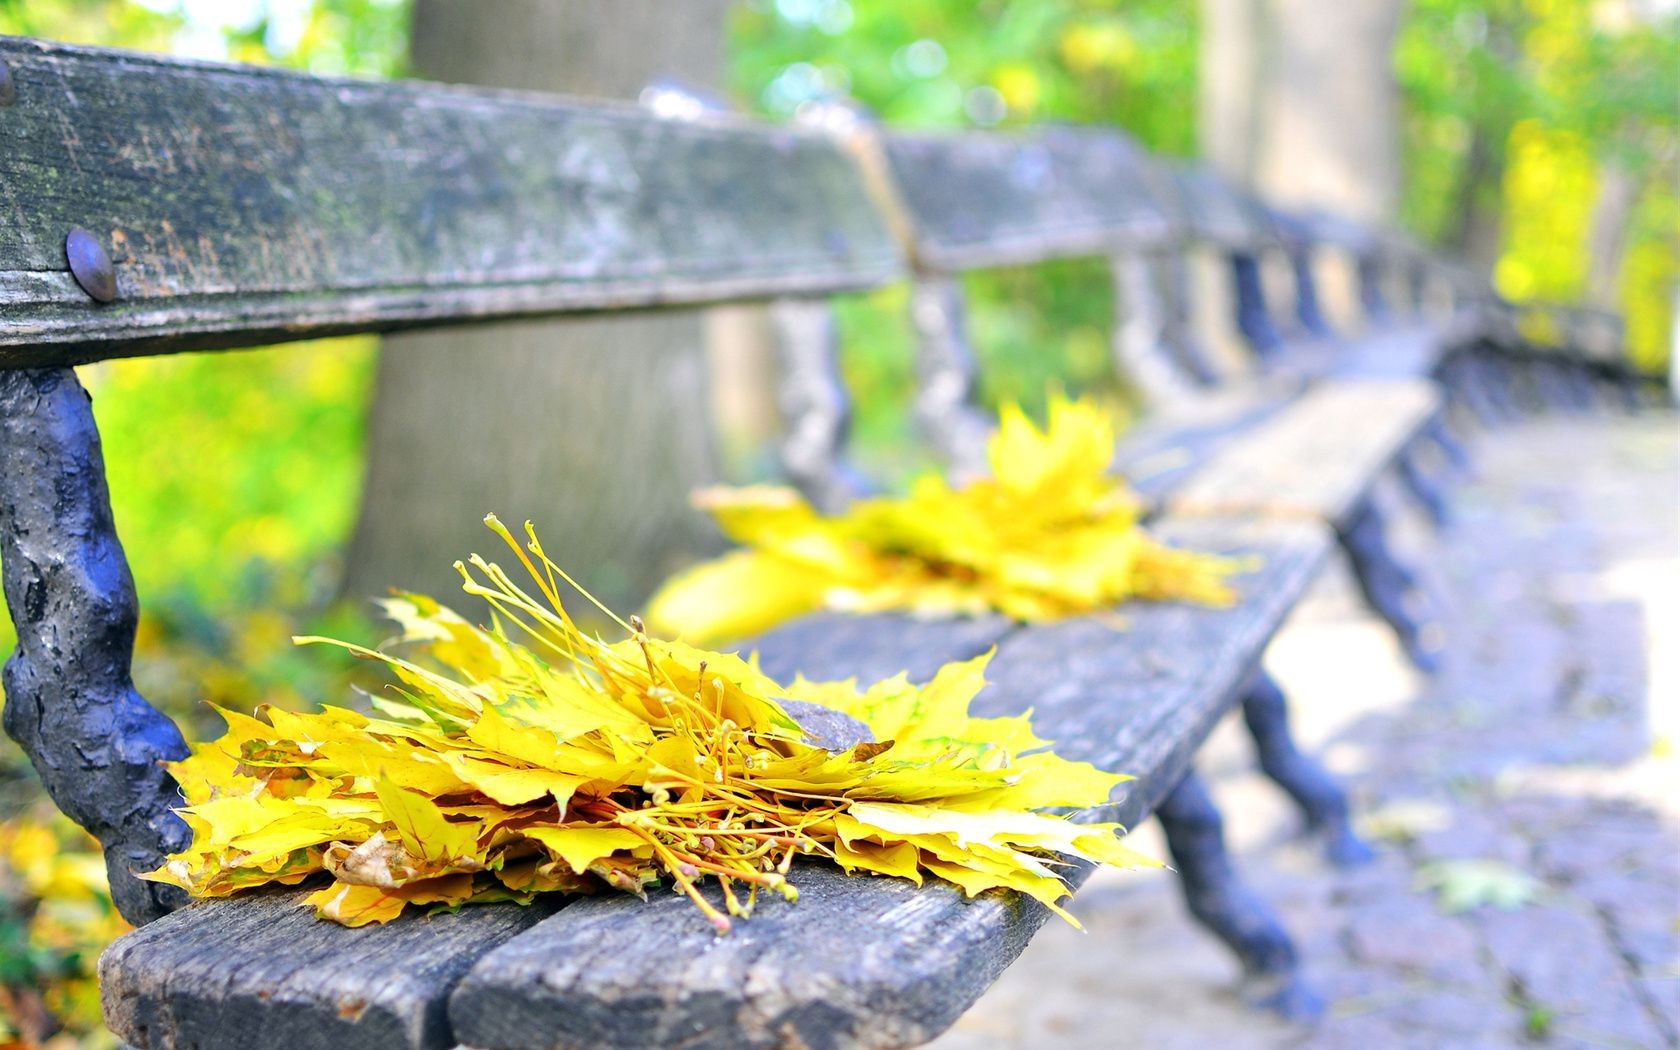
[
  {"x": 1618, "y": 193},
  {"x": 1299, "y": 101},
  {"x": 596, "y": 428},
  {"x": 1476, "y": 228}
]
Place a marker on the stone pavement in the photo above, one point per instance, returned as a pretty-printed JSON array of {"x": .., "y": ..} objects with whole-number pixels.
[{"x": 1539, "y": 770}]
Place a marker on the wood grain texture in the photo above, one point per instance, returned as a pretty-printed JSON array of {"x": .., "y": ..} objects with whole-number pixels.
[
  {"x": 260, "y": 973},
  {"x": 871, "y": 962},
  {"x": 980, "y": 199},
  {"x": 1137, "y": 691},
  {"x": 833, "y": 646},
  {"x": 1318, "y": 458},
  {"x": 857, "y": 962},
  {"x": 243, "y": 206}
]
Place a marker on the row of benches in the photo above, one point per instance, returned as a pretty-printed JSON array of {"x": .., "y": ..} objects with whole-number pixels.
[{"x": 228, "y": 206}]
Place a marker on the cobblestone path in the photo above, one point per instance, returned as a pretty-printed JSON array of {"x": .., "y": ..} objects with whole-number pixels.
[{"x": 1539, "y": 770}]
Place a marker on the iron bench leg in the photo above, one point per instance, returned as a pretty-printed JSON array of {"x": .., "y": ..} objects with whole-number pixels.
[
  {"x": 1229, "y": 910},
  {"x": 1321, "y": 799},
  {"x": 1390, "y": 585},
  {"x": 70, "y": 701},
  {"x": 1440, "y": 432},
  {"x": 1429, "y": 485},
  {"x": 1422, "y": 483}
]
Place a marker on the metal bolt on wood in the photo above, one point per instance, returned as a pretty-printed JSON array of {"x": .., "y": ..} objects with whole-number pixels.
[{"x": 91, "y": 265}]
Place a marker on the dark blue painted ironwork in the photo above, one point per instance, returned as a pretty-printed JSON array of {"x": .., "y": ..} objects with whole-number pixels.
[
  {"x": 70, "y": 700},
  {"x": 1390, "y": 585},
  {"x": 1253, "y": 319},
  {"x": 1441, "y": 433},
  {"x": 1191, "y": 355},
  {"x": 815, "y": 406},
  {"x": 1227, "y": 908},
  {"x": 1424, "y": 485},
  {"x": 1307, "y": 309},
  {"x": 1321, "y": 799},
  {"x": 1371, "y": 297},
  {"x": 948, "y": 376}
]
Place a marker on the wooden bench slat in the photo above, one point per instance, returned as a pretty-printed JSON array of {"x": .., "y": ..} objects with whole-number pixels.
[
  {"x": 1318, "y": 458},
  {"x": 976, "y": 199},
  {"x": 835, "y": 646},
  {"x": 1216, "y": 213},
  {"x": 1140, "y": 697},
  {"x": 244, "y": 205},
  {"x": 262, "y": 973},
  {"x": 872, "y": 962},
  {"x": 1168, "y": 445},
  {"x": 1409, "y": 351}
]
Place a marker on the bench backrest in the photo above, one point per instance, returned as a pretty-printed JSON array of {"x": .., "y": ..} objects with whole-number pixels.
[
  {"x": 974, "y": 200},
  {"x": 241, "y": 206},
  {"x": 978, "y": 200}
]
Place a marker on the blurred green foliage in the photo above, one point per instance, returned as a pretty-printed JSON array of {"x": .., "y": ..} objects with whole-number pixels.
[{"x": 1516, "y": 109}]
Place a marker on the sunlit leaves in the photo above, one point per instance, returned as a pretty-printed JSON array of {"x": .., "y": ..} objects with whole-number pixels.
[
  {"x": 56, "y": 916},
  {"x": 528, "y": 756},
  {"x": 1049, "y": 534}
]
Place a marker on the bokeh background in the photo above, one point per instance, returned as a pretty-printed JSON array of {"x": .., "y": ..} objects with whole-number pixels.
[{"x": 1538, "y": 139}]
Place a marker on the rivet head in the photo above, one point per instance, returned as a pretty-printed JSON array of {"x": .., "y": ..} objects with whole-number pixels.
[
  {"x": 90, "y": 264},
  {"x": 8, "y": 87}
]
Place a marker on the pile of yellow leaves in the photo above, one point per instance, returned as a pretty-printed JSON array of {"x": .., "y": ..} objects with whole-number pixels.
[
  {"x": 1051, "y": 533},
  {"x": 530, "y": 757}
]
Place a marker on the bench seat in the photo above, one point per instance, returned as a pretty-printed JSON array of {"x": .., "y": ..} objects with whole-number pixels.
[
  {"x": 858, "y": 962},
  {"x": 1412, "y": 350},
  {"x": 1319, "y": 458},
  {"x": 1161, "y": 449}
]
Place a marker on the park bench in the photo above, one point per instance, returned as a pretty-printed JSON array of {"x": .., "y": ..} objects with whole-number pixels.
[
  {"x": 1539, "y": 355},
  {"x": 969, "y": 201},
  {"x": 1410, "y": 337},
  {"x": 162, "y": 206},
  {"x": 1553, "y": 355}
]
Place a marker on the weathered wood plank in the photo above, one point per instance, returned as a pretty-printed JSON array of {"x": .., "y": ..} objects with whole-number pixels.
[
  {"x": 1167, "y": 446},
  {"x": 261, "y": 973},
  {"x": 979, "y": 199},
  {"x": 1317, "y": 458},
  {"x": 870, "y": 962},
  {"x": 857, "y": 962},
  {"x": 834, "y": 646},
  {"x": 1217, "y": 214},
  {"x": 243, "y": 205},
  {"x": 1407, "y": 351},
  {"x": 1138, "y": 691}
]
